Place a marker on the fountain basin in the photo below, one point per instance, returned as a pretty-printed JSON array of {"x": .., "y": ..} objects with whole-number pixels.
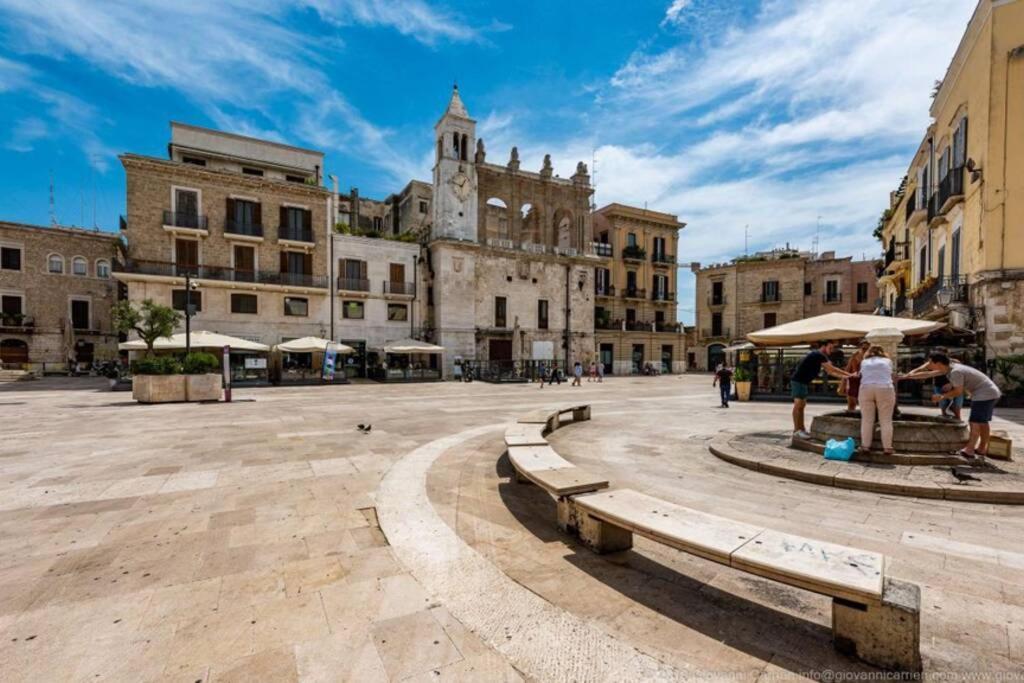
[{"x": 911, "y": 433}]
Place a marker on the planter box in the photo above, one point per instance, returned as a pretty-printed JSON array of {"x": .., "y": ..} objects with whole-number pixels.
[
  {"x": 158, "y": 388},
  {"x": 743, "y": 391},
  {"x": 203, "y": 387}
]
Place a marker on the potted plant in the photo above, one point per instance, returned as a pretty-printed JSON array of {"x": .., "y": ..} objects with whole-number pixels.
[
  {"x": 742, "y": 379},
  {"x": 158, "y": 379},
  {"x": 202, "y": 381}
]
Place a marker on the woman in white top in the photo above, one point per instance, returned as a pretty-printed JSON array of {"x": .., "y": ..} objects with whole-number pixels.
[{"x": 877, "y": 394}]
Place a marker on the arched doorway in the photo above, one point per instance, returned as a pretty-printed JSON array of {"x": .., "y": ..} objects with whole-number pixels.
[
  {"x": 13, "y": 351},
  {"x": 716, "y": 355}
]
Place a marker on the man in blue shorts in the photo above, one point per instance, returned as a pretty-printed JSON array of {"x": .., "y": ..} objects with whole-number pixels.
[
  {"x": 984, "y": 396},
  {"x": 800, "y": 383}
]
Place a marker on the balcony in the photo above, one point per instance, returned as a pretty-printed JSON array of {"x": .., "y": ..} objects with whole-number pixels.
[
  {"x": 638, "y": 326},
  {"x": 897, "y": 251},
  {"x": 402, "y": 288},
  {"x": 951, "y": 190},
  {"x": 713, "y": 333},
  {"x": 607, "y": 324},
  {"x": 832, "y": 298},
  {"x": 674, "y": 328},
  {"x": 634, "y": 253},
  {"x": 183, "y": 220},
  {"x": 351, "y": 284},
  {"x": 602, "y": 249},
  {"x": 634, "y": 293},
  {"x": 663, "y": 259},
  {"x": 604, "y": 290},
  {"x": 664, "y": 297},
  {"x": 220, "y": 273},
  {"x": 17, "y": 323},
  {"x": 769, "y": 298},
  {"x": 243, "y": 228},
  {"x": 717, "y": 300},
  {"x": 899, "y": 305},
  {"x": 292, "y": 233},
  {"x": 954, "y": 287}
]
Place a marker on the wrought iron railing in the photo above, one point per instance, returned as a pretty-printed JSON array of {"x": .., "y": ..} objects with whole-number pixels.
[
  {"x": 247, "y": 228},
  {"x": 955, "y": 287},
  {"x": 634, "y": 253},
  {"x": 951, "y": 186},
  {"x": 662, "y": 258},
  {"x": 295, "y": 233},
  {"x": 220, "y": 273},
  {"x": 602, "y": 249},
  {"x": 352, "y": 284},
  {"x": 663, "y": 296},
  {"x": 717, "y": 300},
  {"x": 185, "y": 219},
  {"x": 832, "y": 297},
  {"x": 634, "y": 293},
  {"x": 398, "y": 287},
  {"x": 713, "y": 333},
  {"x": 604, "y": 290}
]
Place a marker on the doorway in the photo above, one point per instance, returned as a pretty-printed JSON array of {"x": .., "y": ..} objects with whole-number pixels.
[
  {"x": 499, "y": 349},
  {"x": 638, "y": 358},
  {"x": 13, "y": 351},
  {"x": 608, "y": 358}
]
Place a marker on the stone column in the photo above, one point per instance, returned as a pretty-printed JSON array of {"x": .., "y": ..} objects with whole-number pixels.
[{"x": 889, "y": 339}]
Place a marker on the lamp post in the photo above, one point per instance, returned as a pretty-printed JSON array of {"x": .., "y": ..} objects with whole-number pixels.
[
  {"x": 189, "y": 286},
  {"x": 944, "y": 296}
]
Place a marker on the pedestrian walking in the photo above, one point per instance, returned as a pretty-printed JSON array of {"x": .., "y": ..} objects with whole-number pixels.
[
  {"x": 723, "y": 378},
  {"x": 543, "y": 374},
  {"x": 877, "y": 397},
  {"x": 600, "y": 372},
  {"x": 592, "y": 374},
  {"x": 577, "y": 374},
  {"x": 800, "y": 383}
]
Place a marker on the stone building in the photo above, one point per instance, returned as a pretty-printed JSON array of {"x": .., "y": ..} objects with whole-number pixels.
[
  {"x": 635, "y": 311},
  {"x": 771, "y": 288},
  {"x": 509, "y": 265},
  {"x": 954, "y": 247},
  {"x": 247, "y": 219},
  {"x": 56, "y": 294},
  {"x": 405, "y": 213}
]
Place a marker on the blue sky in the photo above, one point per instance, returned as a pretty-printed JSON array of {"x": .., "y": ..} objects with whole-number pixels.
[{"x": 777, "y": 114}]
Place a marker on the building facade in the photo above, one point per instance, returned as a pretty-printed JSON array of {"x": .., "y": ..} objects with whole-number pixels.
[
  {"x": 56, "y": 292},
  {"x": 635, "y": 289},
  {"x": 509, "y": 266},
  {"x": 952, "y": 234},
  {"x": 246, "y": 219},
  {"x": 771, "y": 288}
]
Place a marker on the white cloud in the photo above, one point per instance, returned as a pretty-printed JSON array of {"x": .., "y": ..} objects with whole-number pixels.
[
  {"x": 25, "y": 133},
  {"x": 414, "y": 18},
  {"x": 674, "y": 12}
]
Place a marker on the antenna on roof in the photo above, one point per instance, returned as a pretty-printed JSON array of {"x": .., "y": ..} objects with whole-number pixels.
[
  {"x": 817, "y": 238},
  {"x": 746, "y": 239},
  {"x": 53, "y": 210}
]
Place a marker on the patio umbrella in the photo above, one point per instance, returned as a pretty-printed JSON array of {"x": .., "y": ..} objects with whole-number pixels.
[
  {"x": 199, "y": 340},
  {"x": 311, "y": 344},
  {"x": 838, "y": 326},
  {"x": 411, "y": 346}
]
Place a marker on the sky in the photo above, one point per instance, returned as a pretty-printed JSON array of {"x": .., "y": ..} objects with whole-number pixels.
[{"x": 758, "y": 122}]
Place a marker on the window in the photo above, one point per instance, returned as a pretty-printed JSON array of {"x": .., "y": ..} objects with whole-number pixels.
[
  {"x": 252, "y": 171},
  {"x": 352, "y": 310},
  {"x": 922, "y": 263},
  {"x": 770, "y": 319},
  {"x": 398, "y": 312},
  {"x": 244, "y": 216},
  {"x": 10, "y": 258},
  {"x": 103, "y": 268},
  {"x": 178, "y": 300},
  {"x": 770, "y": 290},
  {"x": 954, "y": 252},
  {"x": 396, "y": 275},
  {"x": 55, "y": 263},
  {"x": 832, "y": 291},
  {"x": 243, "y": 303},
  {"x": 195, "y": 161},
  {"x": 603, "y": 277},
  {"x": 659, "y": 248},
  {"x": 80, "y": 314},
  {"x": 631, "y": 280},
  {"x": 808, "y": 289},
  {"x": 378, "y": 223},
  {"x": 542, "y": 314},
  {"x": 296, "y": 306},
  {"x": 500, "y": 311},
  {"x": 631, "y": 239},
  {"x": 423, "y": 206},
  {"x": 186, "y": 255},
  {"x": 295, "y": 179},
  {"x": 245, "y": 263},
  {"x": 862, "y": 292},
  {"x": 79, "y": 266},
  {"x": 296, "y": 224},
  {"x": 717, "y": 293},
  {"x": 11, "y": 305},
  {"x": 353, "y": 275},
  {"x": 630, "y": 316},
  {"x": 716, "y": 324}
]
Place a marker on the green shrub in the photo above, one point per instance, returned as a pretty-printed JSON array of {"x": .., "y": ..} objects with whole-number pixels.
[
  {"x": 741, "y": 375},
  {"x": 157, "y": 365},
  {"x": 200, "y": 363}
]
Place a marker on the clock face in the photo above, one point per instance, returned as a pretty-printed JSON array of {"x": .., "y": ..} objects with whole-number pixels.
[{"x": 462, "y": 186}]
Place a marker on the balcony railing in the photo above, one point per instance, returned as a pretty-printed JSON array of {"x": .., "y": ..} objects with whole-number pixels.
[
  {"x": 295, "y": 234},
  {"x": 770, "y": 298},
  {"x": 634, "y": 293},
  {"x": 897, "y": 251},
  {"x": 911, "y": 205},
  {"x": 634, "y": 253},
  {"x": 604, "y": 290},
  {"x": 220, "y": 273},
  {"x": 666, "y": 259},
  {"x": 712, "y": 333},
  {"x": 832, "y": 298},
  {"x": 668, "y": 327},
  {"x": 607, "y": 324},
  {"x": 663, "y": 296},
  {"x": 950, "y": 187},
  {"x": 956, "y": 287},
  {"x": 17, "y": 323},
  {"x": 350, "y": 284},
  {"x": 399, "y": 287},
  {"x": 243, "y": 228},
  {"x": 638, "y": 326},
  {"x": 180, "y": 219},
  {"x": 933, "y": 206},
  {"x": 602, "y": 249},
  {"x": 717, "y": 300}
]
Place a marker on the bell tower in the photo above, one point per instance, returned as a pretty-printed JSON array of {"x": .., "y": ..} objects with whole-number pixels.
[{"x": 455, "y": 182}]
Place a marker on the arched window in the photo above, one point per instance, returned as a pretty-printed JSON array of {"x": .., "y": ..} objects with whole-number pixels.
[
  {"x": 563, "y": 229},
  {"x": 440, "y": 147},
  {"x": 530, "y": 230},
  {"x": 496, "y": 219},
  {"x": 463, "y": 147},
  {"x": 103, "y": 268},
  {"x": 455, "y": 144},
  {"x": 79, "y": 266},
  {"x": 55, "y": 263}
]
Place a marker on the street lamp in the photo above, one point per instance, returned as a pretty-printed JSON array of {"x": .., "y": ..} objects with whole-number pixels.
[
  {"x": 944, "y": 296},
  {"x": 189, "y": 311}
]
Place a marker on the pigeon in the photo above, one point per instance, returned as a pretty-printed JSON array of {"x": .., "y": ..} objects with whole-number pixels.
[
  {"x": 366, "y": 429},
  {"x": 962, "y": 477},
  {"x": 360, "y": 427}
]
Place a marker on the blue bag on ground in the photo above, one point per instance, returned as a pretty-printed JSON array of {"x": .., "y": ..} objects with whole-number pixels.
[{"x": 840, "y": 450}]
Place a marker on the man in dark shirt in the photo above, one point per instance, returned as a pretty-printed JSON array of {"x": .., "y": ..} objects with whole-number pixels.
[{"x": 800, "y": 384}]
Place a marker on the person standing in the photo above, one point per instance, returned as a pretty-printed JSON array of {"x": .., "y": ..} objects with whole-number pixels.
[
  {"x": 800, "y": 383},
  {"x": 984, "y": 395},
  {"x": 600, "y": 372},
  {"x": 877, "y": 397},
  {"x": 853, "y": 367},
  {"x": 723, "y": 378},
  {"x": 577, "y": 374},
  {"x": 592, "y": 374},
  {"x": 543, "y": 372}
]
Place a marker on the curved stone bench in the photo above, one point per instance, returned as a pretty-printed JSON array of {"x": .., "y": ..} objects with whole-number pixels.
[{"x": 874, "y": 617}]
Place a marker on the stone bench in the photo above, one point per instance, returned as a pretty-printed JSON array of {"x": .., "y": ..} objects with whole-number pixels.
[
  {"x": 552, "y": 419},
  {"x": 873, "y": 617}
]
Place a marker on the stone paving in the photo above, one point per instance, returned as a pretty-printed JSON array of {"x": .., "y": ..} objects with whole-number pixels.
[{"x": 269, "y": 540}]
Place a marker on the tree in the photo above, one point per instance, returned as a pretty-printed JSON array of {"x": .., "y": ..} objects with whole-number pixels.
[{"x": 150, "y": 321}]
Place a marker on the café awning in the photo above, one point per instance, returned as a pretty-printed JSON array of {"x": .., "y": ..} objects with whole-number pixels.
[
  {"x": 411, "y": 346},
  {"x": 838, "y": 326},
  {"x": 200, "y": 339},
  {"x": 311, "y": 344}
]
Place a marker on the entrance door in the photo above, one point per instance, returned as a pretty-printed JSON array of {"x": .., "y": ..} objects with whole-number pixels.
[
  {"x": 186, "y": 256},
  {"x": 13, "y": 351},
  {"x": 638, "y": 358},
  {"x": 666, "y": 359},
  {"x": 716, "y": 355},
  {"x": 85, "y": 352},
  {"x": 608, "y": 357},
  {"x": 499, "y": 349}
]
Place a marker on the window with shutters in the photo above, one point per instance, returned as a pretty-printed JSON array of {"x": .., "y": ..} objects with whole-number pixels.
[
  {"x": 80, "y": 318},
  {"x": 398, "y": 312},
  {"x": 296, "y": 306},
  {"x": 500, "y": 311},
  {"x": 352, "y": 310},
  {"x": 716, "y": 324},
  {"x": 245, "y": 263},
  {"x": 186, "y": 256},
  {"x": 862, "y": 292},
  {"x": 296, "y": 268},
  {"x": 832, "y": 294},
  {"x": 244, "y": 303},
  {"x": 296, "y": 224},
  {"x": 244, "y": 217},
  {"x": 352, "y": 275},
  {"x": 179, "y": 299},
  {"x": 10, "y": 258},
  {"x": 770, "y": 291},
  {"x": 542, "y": 314}
]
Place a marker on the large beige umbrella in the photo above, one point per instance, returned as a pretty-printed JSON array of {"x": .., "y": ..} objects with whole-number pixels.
[
  {"x": 310, "y": 345},
  {"x": 838, "y": 326},
  {"x": 411, "y": 346},
  {"x": 199, "y": 340}
]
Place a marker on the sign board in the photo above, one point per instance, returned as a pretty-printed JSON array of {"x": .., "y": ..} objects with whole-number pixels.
[
  {"x": 330, "y": 356},
  {"x": 543, "y": 350},
  {"x": 255, "y": 363}
]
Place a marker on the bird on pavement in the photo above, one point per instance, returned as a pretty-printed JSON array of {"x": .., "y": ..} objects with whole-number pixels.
[
  {"x": 962, "y": 477},
  {"x": 360, "y": 427},
  {"x": 365, "y": 429}
]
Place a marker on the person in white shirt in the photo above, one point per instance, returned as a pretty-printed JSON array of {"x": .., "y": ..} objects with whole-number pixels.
[{"x": 877, "y": 396}]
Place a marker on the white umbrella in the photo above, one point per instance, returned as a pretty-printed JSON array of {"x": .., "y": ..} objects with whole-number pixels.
[
  {"x": 198, "y": 340},
  {"x": 311, "y": 344},
  {"x": 838, "y": 326},
  {"x": 411, "y": 346}
]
